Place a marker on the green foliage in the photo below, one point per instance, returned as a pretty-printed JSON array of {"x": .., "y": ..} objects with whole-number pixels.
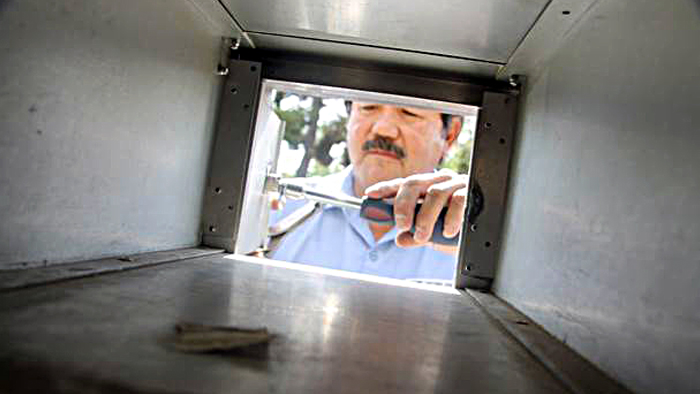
[
  {"x": 295, "y": 121},
  {"x": 331, "y": 134},
  {"x": 459, "y": 161},
  {"x": 318, "y": 169},
  {"x": 298, "y": 126}
]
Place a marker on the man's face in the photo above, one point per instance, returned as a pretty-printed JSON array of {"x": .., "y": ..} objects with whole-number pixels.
[{"x": 387, "y": 142}]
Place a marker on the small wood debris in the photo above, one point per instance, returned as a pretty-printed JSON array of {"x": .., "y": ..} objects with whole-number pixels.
[{"x": 200, "y": 338}]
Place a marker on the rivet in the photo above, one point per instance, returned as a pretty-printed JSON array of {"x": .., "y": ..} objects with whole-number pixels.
[
  {"x": 217, "y": 190},
  {"x": 473, "y": 227},
  {"x": 212, "y": 229},
  {"x": 488, "y": 125}
]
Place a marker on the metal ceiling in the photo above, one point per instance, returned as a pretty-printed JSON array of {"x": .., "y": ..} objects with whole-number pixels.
[{"x": 472, "y": 36}]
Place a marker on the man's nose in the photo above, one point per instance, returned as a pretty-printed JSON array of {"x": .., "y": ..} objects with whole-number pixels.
[{"x": 386, "y": 126}]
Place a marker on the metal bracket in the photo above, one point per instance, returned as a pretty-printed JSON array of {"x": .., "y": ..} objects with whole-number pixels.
[
  {"x": 230, "y": 156},
  {"x": 488, "y": 178}
]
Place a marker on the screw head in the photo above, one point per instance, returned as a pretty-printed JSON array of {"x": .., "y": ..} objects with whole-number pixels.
[{"x": 515, "y": 80}]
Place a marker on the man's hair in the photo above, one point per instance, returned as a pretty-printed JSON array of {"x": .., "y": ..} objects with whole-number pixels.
[{"x": 446, "y": 118}]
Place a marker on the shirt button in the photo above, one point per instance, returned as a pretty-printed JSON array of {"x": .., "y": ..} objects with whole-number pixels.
[{"x": 373, "y": 255}]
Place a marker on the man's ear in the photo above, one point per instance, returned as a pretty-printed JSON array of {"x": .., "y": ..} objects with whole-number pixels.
[{"x": 453, "y": 131}]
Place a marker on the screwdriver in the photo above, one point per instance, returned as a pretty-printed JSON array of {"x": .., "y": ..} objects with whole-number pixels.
[{"x": 373, "y": 209}]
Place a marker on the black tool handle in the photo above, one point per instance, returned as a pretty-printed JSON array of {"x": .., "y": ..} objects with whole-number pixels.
[{"x": 381, "y": 211}]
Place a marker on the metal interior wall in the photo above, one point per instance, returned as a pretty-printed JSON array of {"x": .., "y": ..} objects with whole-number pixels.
[
  {"x": 230, "y": 156},
  {"x": 106, "y": 119},
  {"x": 601, "y": 242},
  {"x": 488, "y": 176}
]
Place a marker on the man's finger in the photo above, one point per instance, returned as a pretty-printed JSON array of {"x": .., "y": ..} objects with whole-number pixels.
[
  {"x": 405, "y": 205},
  {"x": 384, "y": 189},
  {"x": 405, "y": 240},
  {"x": 390, "y": 188},
  {"x": 455, "y": 213},
  {"x": 436, "y": 198},
  {"x": 407, "y": 197}
]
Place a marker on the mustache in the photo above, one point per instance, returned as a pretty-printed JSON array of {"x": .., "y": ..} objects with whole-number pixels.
[{"x": 386, "y": 144}]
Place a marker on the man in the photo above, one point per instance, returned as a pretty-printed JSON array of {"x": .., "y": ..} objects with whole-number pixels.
[{"x": 393, "y": 154}]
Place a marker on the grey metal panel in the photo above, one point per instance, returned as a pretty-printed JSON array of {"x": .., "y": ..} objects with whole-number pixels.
[
  {"x": 488, "y": 176},
  {"x": 477, "y": 29},
  {"x": 221, "y": 22},
  {"x": 553, "y": 27},
  {"x": 577, "y": 373},
  {"x": 106, "y": 113},
  {"x": 601, "y": 245},
  {"x": 380, "y": 57},
  {"x": 230, "y": 157},
  {"x": 334, "y": 335}
]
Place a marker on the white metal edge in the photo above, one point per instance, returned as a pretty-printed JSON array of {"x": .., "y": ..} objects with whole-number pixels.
[{"x": 385, "y": 98}]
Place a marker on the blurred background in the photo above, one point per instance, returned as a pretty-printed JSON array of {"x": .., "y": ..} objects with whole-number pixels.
[{"x": 314, "y": 136}]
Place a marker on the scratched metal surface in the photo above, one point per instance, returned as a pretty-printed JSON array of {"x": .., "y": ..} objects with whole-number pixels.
[
  {"x": 335, "y": 335},
  {"x": 487, "y": 30}
]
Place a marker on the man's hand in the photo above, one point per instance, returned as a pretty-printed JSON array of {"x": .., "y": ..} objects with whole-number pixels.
[{"x": 444, "y": 188}]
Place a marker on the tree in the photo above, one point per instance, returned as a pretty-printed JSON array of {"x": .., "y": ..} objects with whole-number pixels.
[
  {"x": 295, "y": 122},
  {"x": 331, "y": 134},
  {"x": 309, "y": 139},
  {"x": 302, "y": 129}
]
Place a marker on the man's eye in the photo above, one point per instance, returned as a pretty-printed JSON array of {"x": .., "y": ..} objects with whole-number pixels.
[
  {"x": 367, "y": 108},
  {"x": 410, "y": 113}
]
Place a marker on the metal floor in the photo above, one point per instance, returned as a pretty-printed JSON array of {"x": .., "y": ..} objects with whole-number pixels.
[{"x": 109, "y": 333}]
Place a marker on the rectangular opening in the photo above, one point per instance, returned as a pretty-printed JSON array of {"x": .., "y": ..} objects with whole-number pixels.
[{"x": 336, "y": 142}]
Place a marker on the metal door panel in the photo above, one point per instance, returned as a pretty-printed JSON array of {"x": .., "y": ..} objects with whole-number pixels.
[{"x": 266, "y": 143}]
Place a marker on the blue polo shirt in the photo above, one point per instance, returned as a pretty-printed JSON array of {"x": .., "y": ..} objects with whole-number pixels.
[{"x": 339, "y": 238}]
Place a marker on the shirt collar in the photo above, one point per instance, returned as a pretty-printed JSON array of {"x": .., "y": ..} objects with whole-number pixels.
[{"x": 345, "y": 181}]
